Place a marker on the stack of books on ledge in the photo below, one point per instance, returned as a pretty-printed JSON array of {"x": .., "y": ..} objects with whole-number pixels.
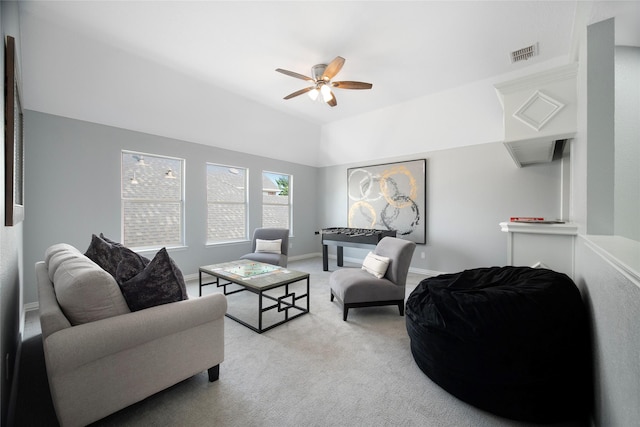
[{"x": 535, "y": 220}]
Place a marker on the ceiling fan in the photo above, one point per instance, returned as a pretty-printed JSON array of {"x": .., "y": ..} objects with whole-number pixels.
[{"x": 321, "y": 81}]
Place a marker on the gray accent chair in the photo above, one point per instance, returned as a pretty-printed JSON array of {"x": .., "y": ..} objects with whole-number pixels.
[
  {"x": 354, "y": 287},
  {"x": 270, "y": 258}
]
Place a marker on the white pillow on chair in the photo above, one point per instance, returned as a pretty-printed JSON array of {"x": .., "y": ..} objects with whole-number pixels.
[
  {"x": 269, "y": 246},
  {"x": 375, "y": 264}
]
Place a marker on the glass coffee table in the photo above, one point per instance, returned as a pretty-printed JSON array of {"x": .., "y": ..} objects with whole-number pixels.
[{"x": 257, "y": 277}]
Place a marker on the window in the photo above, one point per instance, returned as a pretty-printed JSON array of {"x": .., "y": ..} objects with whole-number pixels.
[
  {"x": 226, "y": 203},
  {"x": 276, "y": 200},
  {"x": 152, "y": 201}
]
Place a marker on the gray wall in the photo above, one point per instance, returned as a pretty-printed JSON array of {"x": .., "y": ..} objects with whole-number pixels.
[
  {"x": 470, "y": 190},
  {"x": 73, "y": 190},
  {"x": 10, "y": 249}
]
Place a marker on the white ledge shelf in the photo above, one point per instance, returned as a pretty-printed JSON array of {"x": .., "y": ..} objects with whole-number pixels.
[
  {"x": 539, "y": 228},
  {"x": 621, "y": 252}
]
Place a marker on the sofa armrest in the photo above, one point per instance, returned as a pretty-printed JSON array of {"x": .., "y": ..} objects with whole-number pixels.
[
  {"x": 52, "y": 319},
  {"x": 73, "y": 347}
]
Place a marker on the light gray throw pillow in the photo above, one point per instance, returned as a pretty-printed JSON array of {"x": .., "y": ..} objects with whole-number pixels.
[{"x": 85, "y": 291}]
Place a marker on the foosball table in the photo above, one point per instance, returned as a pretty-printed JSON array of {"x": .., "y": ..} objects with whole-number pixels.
[{"x": 350, "y": 237}]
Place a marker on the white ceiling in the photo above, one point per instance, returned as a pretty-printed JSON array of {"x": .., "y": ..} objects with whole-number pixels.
[{"x": 111, "y": 61}]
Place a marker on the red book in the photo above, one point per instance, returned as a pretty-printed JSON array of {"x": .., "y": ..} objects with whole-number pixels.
[{"x": 526, "y": 219}]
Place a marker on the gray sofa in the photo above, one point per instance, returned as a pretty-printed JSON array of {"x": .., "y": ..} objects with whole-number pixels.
[{"x": 106, "y": 358}]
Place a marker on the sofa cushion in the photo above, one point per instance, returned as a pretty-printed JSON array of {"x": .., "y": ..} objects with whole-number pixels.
[
  {"x": 55, "y": 255},
  {"x": 55, "y": 249},
  {"x": 85, "y": 291},
  {"x": 160, "y": 282}
]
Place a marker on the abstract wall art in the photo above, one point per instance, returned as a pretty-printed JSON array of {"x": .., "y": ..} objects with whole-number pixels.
[{"x": 389, "y": 196}]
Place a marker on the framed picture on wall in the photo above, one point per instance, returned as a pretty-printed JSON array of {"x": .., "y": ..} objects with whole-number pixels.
[
  {"x": 13, "y": 141},
  {"x": 389, "y": 196}
]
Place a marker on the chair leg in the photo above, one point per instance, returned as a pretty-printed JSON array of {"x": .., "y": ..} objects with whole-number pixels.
[
  {"x": 401, "y": 308},
  {"x": 214, "y": 373},
  {"x": 345, "y": 312},
  {"x": 332, "y": 296}
]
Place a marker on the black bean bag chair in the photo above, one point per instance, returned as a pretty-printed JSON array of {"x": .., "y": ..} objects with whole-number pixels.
[{"x": 510, "y": 340}]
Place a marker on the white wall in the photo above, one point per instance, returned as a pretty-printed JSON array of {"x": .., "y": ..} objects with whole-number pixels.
[
  {"x": 184, "y": 106},
  {"x": 627, "y": 142},
  {"x": 600, "y": 127},
  {"x": 610, "y": 291},
  {"x": 613, "y": 303},
  {"x": 462, "y": 116}
]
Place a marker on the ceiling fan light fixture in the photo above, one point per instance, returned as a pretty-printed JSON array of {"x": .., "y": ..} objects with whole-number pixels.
[
  {"x": 313, "y": 94},
  {"x": 326, "y": 93}
]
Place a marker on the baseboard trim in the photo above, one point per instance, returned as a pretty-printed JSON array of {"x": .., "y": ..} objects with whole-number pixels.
[
  {"x": 305, "y": 256},
  {"x": 425, "y": 272},
  {"x": 30, "y": 306},
  {"x": 421, "y": 271},
  {"x": 13, "y": 393}
]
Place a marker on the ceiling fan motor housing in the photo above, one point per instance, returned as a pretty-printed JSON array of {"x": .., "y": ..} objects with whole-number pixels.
[{"x": 317, "y": 71}]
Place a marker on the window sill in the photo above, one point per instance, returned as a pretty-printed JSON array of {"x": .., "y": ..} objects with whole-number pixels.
[
  {"x": 153, "y": 251},
  {"x": 226, "y": 243}
]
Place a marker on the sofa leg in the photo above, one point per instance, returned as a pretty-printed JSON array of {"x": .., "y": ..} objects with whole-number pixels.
[
  {"x": 345, "y": 312},
  {"x": 214, "y": 373},
  {"x": 401, "y": 308}
]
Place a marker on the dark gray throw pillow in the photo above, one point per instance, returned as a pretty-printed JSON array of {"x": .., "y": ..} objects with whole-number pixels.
[
  {"x": 161, "y": 282},
  {"x": 112, "y": 257},
  {"x": 105, "y": 254},
  {"x": 130, "y": 265},
  {"x": 111, "y": 242}
]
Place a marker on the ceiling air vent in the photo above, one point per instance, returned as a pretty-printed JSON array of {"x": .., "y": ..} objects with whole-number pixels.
[{"x": 524, "y": 53}]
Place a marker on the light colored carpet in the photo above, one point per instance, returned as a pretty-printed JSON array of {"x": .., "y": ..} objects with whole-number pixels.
[{"x": 313, "y": 371}]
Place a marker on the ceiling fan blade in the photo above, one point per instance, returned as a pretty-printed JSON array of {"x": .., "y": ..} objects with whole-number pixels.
[
  {"x": 292, "y": 74},
  {"x": 333, "y": 101},
  {"x": 333, "y": 68},
  {"x": 352, "y": 85},
  {"x": 299, "y": 92}
]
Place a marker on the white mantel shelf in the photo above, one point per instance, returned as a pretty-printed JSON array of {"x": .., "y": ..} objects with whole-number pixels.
[
  {"x": 547, "y": 245},
  {"x": 539, "y": 228}
]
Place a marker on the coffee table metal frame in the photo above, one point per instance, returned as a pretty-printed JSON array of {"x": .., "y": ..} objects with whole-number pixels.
[{"x": 258, "y": 285}]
